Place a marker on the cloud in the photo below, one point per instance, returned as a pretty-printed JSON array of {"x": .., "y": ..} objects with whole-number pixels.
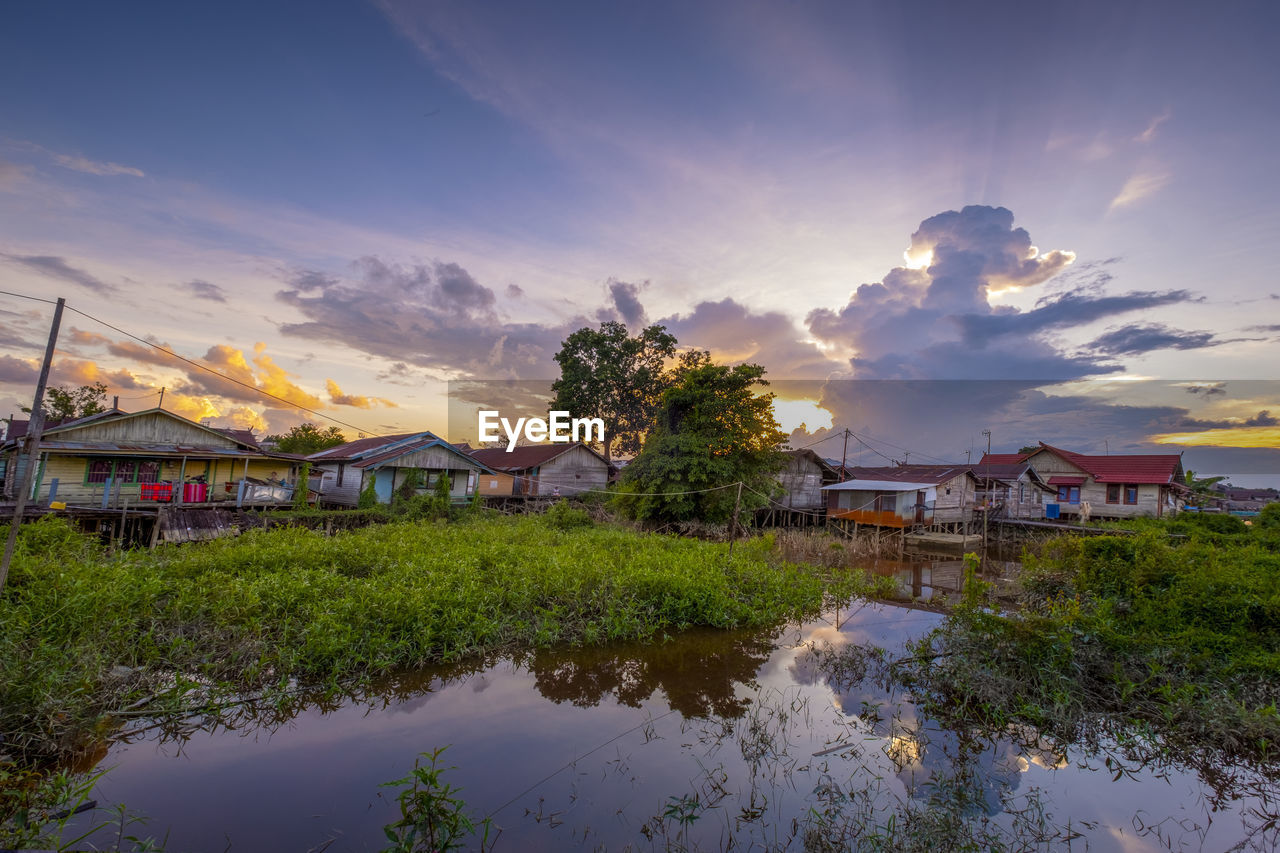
[
  {"x": 933, "y": 318},
  {"x": 626, "y": 298},
  {"x": 143, "y": 353},
  {"x": 18, "y": 370},
  {"x": 205, "y": 290},
  {"x": 360, "y": 402},
  {"x": 1207, "y": 389},
  {"x": 432, "y": 315},
  {"x": 83, "y": 338},
  {"x": 734, "y": 333},
  {"x": 247, "y": 379},
  {"x": 58, "y": 268},
  {"x": 1152, "y": 126},
  {"x": 515, "y": 291},
  {"x": 1137, "y": 338},
  {"x": 1138, "y": 187},
  {"x": 85, "y": 372},
  {"x": 95, "y": 167}
]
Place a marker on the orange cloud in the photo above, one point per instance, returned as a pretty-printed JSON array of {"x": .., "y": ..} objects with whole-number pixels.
[
  {"x": 358, "y": 401},
  {"x": 1255, "y": 436},
  {"x": 84, "y": 372},
  {"x": 80, "y": 336}
]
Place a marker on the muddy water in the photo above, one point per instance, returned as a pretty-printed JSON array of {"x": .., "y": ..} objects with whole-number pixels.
[{"x": 589, "y": 749}]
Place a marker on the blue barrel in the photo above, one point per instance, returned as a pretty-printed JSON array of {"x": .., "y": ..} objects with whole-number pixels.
[{"x": 1052, "y": 511}]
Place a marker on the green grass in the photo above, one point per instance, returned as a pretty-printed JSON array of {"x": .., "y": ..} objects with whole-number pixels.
[
  {"x": 1177, "y": 638},
  {"x": 83, "y": 634}
]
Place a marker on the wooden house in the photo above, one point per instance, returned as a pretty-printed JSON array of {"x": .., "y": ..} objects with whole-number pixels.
[
  {"x": 1114, "y": 486},
  {"x": 904, "y": 495},
  {"x": 802, "y": 480},
  {"x": 540, "y": 470},
  {"x": 1011, "y": 489},
  {"x": 149, "y": 456},
  {"x": 386, "y": 462}
]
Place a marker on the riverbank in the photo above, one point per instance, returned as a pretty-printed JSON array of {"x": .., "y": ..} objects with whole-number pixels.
[{"x": 88, "y": 639}]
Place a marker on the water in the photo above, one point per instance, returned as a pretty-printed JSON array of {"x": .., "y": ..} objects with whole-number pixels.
[{"x": 589, "y": 748}]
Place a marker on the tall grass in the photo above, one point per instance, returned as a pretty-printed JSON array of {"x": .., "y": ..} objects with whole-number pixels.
[{"x": 84, "y": 635}]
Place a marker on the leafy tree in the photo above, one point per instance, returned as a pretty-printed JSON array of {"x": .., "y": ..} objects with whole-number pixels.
[
  {"x": 409, "y": 486},
  {"x": 1030, "y": 448},
  {"x": 65, "y": 404},
  {"x": 302, "y": 489},
  {"x": 1202, "y": 488},
  {"x": 608, "y": 374},
  {"x": 307, "y": 438},
  {"x": 710, "y": 430},
  {"x": 1269, "y": 517}
]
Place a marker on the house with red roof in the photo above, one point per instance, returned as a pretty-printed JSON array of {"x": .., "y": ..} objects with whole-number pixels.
[
  {"x": 541, "y": 470},
  {"x": 1123, "y": 485},
  {"x": 387, "y": 461}
]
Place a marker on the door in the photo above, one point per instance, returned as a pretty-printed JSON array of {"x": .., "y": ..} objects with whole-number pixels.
[
  {"x": 920, "y": 496},
  {"x": 382, "y": 480}
]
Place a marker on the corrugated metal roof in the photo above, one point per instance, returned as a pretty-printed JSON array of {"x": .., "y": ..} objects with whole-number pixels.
[
  {"x": 930, "y": 474},
  {"x": 413, "y": 447},
  {"x": 365, "y": 446},
  {"x": 859, "y": 485},
  {"x": 526, "y": 456},
  {"x": 108, "y": 448},
  {"x": 1003, "y": 458},
  {"x": 1063, "y": 480}
]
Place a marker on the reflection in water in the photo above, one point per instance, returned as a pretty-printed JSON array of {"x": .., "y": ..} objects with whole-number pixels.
[{"x": 754, "y": 736}]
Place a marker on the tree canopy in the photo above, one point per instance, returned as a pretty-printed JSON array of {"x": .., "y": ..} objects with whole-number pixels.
[
  {"x": 307, "y": 438},
  {"x": 710, "y": 430},
  {"x": 65, "y": 404},
  {"x": 609, "y": 374}
]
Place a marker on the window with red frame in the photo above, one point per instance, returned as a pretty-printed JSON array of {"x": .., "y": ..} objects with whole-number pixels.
[
  {"x": 1113, "y": 493},
  {"x": 1069, "y": 494},
  {"x": 1131, "y": 495}
]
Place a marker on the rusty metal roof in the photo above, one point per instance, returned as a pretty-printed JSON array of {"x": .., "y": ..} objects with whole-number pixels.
[{"x": 526, "y": 456}]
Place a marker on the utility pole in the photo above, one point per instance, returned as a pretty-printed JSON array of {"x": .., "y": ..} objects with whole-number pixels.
[
  {"x": 160, "y": 405},
  {"x": 35, "y": 428},
  {"x": 733, "y": 531},
  {"x": 844, "y": 454}
]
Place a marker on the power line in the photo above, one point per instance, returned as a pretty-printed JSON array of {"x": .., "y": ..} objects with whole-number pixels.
[
  {"x": 32, "y": 298},
  {"x": 222, "y": 376}
]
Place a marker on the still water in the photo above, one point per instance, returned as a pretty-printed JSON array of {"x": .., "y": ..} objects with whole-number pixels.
[{"x": 738, "y": 732}]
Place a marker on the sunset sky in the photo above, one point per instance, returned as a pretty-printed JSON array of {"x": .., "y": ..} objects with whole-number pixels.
[{"x": 350, "y": 204}]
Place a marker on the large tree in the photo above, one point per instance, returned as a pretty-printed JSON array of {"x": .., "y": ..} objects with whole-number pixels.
[
  {"x": 65, "y": 404},
  {"x": 609, "y": 374},
  {"x": 307, "y": 438},
  {"x": 712, "y": 430}
]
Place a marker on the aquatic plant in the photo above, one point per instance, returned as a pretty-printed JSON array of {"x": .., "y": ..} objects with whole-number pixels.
[
  {"x": 86, "y": 636},
  {"x": 432, "y": 815}
]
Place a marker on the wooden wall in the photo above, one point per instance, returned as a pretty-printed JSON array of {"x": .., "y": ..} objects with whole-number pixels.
[
  {"x": 802, "y": 480},
  {"x": 576, "y": 470}
]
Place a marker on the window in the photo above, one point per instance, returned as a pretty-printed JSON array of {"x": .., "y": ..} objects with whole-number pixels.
[
  {"x": 127, "y": 471},
  {"x": 1069, "y": 494},
  {"x": 886, "y": 503},
  {"x": 1131, "y": 495},
  {"x": 1113, "y": 493}
]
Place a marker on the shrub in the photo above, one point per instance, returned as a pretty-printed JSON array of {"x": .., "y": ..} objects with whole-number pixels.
[{"x": 562, "y": 516}]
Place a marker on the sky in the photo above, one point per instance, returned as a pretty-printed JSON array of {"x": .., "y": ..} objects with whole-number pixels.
[{"x": 1054, "y": 221}]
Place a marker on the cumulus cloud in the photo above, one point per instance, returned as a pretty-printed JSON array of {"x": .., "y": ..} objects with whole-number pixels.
[
  {"x": 626, "y": 298},
  {"x": 17, "y": 370},
  {"x": 338, "y": 398},
  {"x": 735, "y": 333},
  {"x": 58, "y": 268},
  {"x": 933, "y": 317},
  {"x": 205, "y": 290},
  {"x": 85, "y": 372},
  {"x": 263, "y": 375},
  {"x": 429, "y": 315}
]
